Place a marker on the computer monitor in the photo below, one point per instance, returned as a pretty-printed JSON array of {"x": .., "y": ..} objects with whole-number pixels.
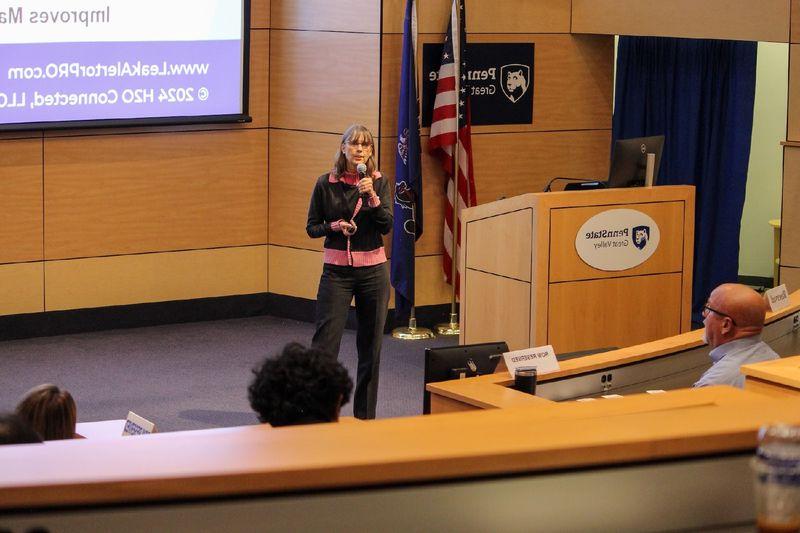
[
  {"x": 629, "y": 161},
  {"x": 453, "y": 362}
]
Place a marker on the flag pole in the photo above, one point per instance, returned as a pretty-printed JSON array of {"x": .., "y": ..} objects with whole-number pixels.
[
  {"x": 412, "y": 332},
  {"x": 452, "y": 328}
]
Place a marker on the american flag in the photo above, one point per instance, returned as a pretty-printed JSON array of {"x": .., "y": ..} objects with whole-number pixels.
[{"x": 451, "y": 109}]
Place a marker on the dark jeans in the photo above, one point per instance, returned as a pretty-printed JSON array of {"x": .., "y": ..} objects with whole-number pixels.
[{"x": 370, "y": 287}]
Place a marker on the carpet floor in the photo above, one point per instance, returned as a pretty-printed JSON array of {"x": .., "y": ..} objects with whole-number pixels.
[{"x": 190, "y": 376}]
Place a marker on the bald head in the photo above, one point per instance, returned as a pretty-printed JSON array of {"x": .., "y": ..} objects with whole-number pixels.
[
  {"x": 736, "y": 311},
  {"x": 743, "y": 304}
]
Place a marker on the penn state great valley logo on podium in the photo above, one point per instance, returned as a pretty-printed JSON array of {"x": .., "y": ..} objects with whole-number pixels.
[{"x": 617, "y": 239}]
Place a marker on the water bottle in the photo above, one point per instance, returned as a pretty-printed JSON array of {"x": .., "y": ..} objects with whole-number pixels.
[
  {"x": 776, "y": 467},
  {"x": 779, "y": 445}
]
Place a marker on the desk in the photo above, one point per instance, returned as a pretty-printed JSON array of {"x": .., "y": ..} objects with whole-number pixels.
[
  {"x": 777, "y": 378},
  {"x": 257, "y": 459},
  {"x": 103, "y": 429},
  {"x": 670, "y": 363},
  {"x": 680, "y": 447}
]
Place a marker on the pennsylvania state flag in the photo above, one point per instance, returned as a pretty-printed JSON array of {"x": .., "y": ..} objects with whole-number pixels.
[{"x": 408, "y": 174}]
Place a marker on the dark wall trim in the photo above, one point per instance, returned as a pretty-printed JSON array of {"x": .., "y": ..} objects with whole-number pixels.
[{"x": 181, "y": 311}]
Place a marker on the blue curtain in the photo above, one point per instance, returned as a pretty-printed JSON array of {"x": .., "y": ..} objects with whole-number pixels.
[{"x": 699, "y": 94}]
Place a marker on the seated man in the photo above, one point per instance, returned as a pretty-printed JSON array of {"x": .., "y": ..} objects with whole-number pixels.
[
  {"x": 733, "y": 319},
  {"x": 299, "y": 386}
]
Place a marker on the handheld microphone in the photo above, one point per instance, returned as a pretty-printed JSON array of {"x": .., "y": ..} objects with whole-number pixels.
[{"x": 361, "y": 168}]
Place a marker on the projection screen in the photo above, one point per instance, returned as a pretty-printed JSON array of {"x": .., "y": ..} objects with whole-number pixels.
[{"x": 87, "y": 63}]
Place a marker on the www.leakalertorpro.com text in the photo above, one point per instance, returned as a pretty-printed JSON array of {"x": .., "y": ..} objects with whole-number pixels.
[{"x": 18, "y": 15}]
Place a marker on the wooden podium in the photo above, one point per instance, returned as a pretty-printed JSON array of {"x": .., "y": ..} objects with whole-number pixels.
[{"x": 524, "y": 281}]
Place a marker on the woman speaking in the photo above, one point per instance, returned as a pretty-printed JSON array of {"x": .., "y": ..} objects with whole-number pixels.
[{"x": 351, "y": 207}]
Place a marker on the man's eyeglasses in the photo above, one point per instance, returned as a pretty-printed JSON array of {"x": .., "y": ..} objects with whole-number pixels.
[{"x": 707, "y": 309}]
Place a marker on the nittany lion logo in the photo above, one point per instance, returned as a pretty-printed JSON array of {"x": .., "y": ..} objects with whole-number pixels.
[
  {"x": 515, "y": 80},
  {"x": 404, "y": 197},
  {"x": 402, "y": 146},
  {"x": 641, "y": 234}
]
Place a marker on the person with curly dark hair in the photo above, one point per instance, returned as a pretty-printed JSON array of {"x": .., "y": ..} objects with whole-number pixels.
[{"x": 299, "y": 386}]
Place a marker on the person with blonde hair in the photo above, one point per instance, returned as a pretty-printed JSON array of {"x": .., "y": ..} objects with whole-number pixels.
[
  {"x": 351, "y": 206},
  {"x": 50, "y": 411},
  {"x": 733, "y": 318}
]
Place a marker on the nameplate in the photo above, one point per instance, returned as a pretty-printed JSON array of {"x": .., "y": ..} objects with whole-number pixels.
[
  {"x": 541, "y": 357},
  {"x": 777, "y": 298},
  {"x": 136, "y": 425}
]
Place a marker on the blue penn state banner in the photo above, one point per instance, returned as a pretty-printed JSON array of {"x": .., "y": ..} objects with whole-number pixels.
[{"x": 408, "y": 176}]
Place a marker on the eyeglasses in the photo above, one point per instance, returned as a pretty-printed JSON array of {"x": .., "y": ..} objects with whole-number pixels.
[
  {"x": 356, "y": 144},
  {"x": 707, "y": 309}
]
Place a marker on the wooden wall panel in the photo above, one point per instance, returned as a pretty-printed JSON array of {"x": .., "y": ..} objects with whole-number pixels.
[
  {"x": 515, "y": 16},
  {"x": 259, "y": 14},
  {"x": 21, "y": 288},
  {"x": 131, "y": 279},
  {"x": 795, "y": 21},
  {"x": 429, "y": 279},
  {"x": 324, "y": 81},
  {"x": 791, "y": 277},
  {"x": 391, "y": 51},
  {"x": 506, "y": 16},
  {"x": 393, "y": 14},
  {"x": 573, "y": 84},
  {"x": 573, "y": 81},
  {"x": 790, "y": 212},
  {"x": 744, "y": 20},
  {"x": 146, "y": 193},
  {"x": 362, "y": 16},
  {"x": 20, "y": 200},
  {"x": 294, "y": 272},
  {"x": 292, "y": 180},
  {"x": 515, "y": 163},
  {"x": 793, "y": 110},
  {"x": 258, "y": 101}
]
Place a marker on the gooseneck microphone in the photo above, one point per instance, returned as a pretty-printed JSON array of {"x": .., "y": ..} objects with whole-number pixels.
[{"x": 361, "y": 168}]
